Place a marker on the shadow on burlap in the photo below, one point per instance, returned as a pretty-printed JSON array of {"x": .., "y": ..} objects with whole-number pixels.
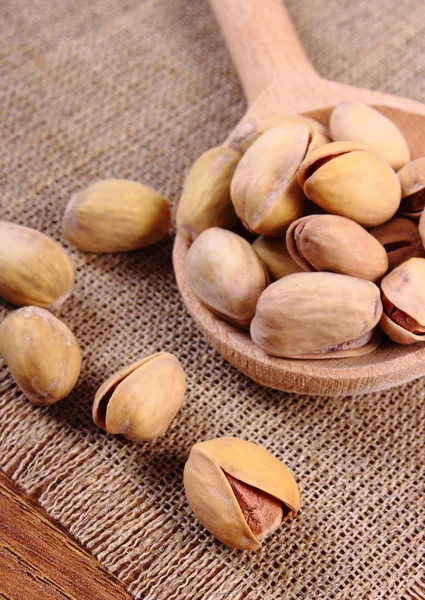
[{"x": 138, "y": 89}]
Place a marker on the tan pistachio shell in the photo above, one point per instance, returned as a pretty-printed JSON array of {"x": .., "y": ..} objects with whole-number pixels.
[
  {"x": 412, "y": 179},
  {"x": 421, "y": 228},
  {"x": 336, "y": 244},
  {"x": 358, "y": 122},
  {"x": 205, "y": 201},
  {"x": 41, "y": 353},
  {"x": 348, "y": 180},
  {"x": 34, "y": 269},
  {"x": 274, "y": 254},
  {"x": 249, "y": 130},
  {"x": 141, "y": 400},
  {"x": 116, "y": 215},
  {"x": 401, "y": 240},
  {"x": 226, "y": 274},
  {"x": 403, "y": 298},
  {"x": 317, "y": 315},
  {"x": 211, "y": 497},
  {"x": 264, "y": 188}
]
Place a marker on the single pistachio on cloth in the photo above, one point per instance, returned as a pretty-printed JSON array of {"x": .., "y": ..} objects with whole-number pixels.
[
  {"x": 249, "y": 130},
  {"x": 238, "y": 491},
  {"x": 358, "y": 122},
  {"x": 401, "y": 240},
  {"x": 34, "y": 269},
  {"x": 141, "y": 400},
  {"x": 403, "y": 299},
  {"x": 116, "y": 215},
  {"x": 264, "y": 188},
  {"x": 349, "y": 180},
  {"x": 41, "y": 353},
  {"x": 226, "y": 274},
  {"x": 274, "y": 254},
  {"x": 205, "y": 201},
  {"x": 336, "y": 244},
  {"x": 412, "y": 179},
  {"x": 317, "y": 315}
]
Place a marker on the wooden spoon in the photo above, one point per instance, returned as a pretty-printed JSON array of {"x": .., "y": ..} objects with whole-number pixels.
[{"x": 278, "y": 78}]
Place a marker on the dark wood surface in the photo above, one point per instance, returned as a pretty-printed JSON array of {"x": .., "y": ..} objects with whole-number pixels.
[{"x": 39, "y": 560}]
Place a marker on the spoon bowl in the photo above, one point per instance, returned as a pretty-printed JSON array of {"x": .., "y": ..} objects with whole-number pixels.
[{"x": 278, "y": 79}]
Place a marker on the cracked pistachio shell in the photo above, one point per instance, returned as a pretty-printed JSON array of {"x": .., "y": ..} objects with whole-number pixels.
[
  {"x": 226, "y": 274},
  {"x": 317, "y": 315},
  {"x": 336, "y": 244},
  {"x": 205, "y": 201},
  {"x": 34, "y": 269},
  {"x": 274, "y": 254},
  {"x": 214, "y": 502},
  {"x": 403, "y": 298},
  {"x": 141, "y": 400},
  {"x": 116, "y": 215},
  {"x": 358, "y": 122},
  {"x": 248, "y": 131},
  {"x": 346, "y": 179},
  {"x": 41, "y": 353},
  {"x": 412, "y": 179},
  {"x": 264, "y": 188},
  {"x": 400, "y": 239}
]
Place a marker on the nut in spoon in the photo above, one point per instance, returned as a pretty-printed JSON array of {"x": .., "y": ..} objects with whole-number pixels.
[{"x": 278, "y": 78}]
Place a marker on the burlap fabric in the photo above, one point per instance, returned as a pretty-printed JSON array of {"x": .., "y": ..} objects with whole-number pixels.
[{"x": 138, "y": 89}]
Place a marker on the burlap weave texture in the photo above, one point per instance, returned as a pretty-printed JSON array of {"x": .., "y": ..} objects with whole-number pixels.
[{"x": 138, "y": 89}]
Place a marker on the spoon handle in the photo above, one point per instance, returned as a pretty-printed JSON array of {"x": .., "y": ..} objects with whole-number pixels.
[{"x": 262, "y": 41}]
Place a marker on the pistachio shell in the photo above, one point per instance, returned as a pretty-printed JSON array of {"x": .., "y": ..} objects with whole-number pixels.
[
  {"x": 274, "y": 254},
  {"x": 403, "y": 298},
  {"x": 41, "y": 353},
  {"x": 336, "y": 244},
  {"x": 412, "y": 179},
  {"x": 346, "y": 180},
  {"x": 317, "y": 315},
  {"x": 421, "y": 228},
  {"x": 116, "y": 215},
  {"x": 401, "y": 240},
  {"x": 248, "y": 131},
  {"x": 141, "y": 400},
  {"x": 212, "y": 498},
  {"x": 34, "y": 269},
  {"x": 357, "y": 122},
  {"x": 264, "y": 189},
  {"x": 226, "y": 274},
  {"x": 205, "y": 201}
]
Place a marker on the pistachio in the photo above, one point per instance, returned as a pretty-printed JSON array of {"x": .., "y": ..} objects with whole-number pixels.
[
  {"x": 403, "y": 299},
  {"x": 264, "y": 188},
  {"x": 226, "y": 274},
  {"x": 346, "y": 179},
  {"x": 141, "y": 400},
  {"x": 337, "y": 244},
  {"x": 357, "y": 122},
  {"x": 238, "y": 491},
  {"x": 274, "y": 254},
  {"x": 34, "y": 269},
  {"x": 317, "y": 315},
  {"x": 401, "y": 240},
  {"x": 412, "y": 179},
  {"x": 248, "y": 131},
  {"x": 116, "y": 215},
  {"x": 205, "y": 200},
  {"x": 41, "y": 353}
]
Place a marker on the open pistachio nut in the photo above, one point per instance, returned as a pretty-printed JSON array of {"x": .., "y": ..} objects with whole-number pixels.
[
  {"x": 141, "y": 400},
  {"x": 400, "y": 239},
  {"x": 412, "y": 179},
  {"x": 239, "y": 491},
  {"x": 336, "y": 244},
  {"x": 403, "y": 299}
]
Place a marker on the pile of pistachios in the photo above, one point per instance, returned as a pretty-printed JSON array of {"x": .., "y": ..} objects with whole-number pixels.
[{"x": 336, "y": 212}]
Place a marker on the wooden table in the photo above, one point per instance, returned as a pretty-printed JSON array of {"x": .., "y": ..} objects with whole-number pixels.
[{"x": 39, "y": 560}]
